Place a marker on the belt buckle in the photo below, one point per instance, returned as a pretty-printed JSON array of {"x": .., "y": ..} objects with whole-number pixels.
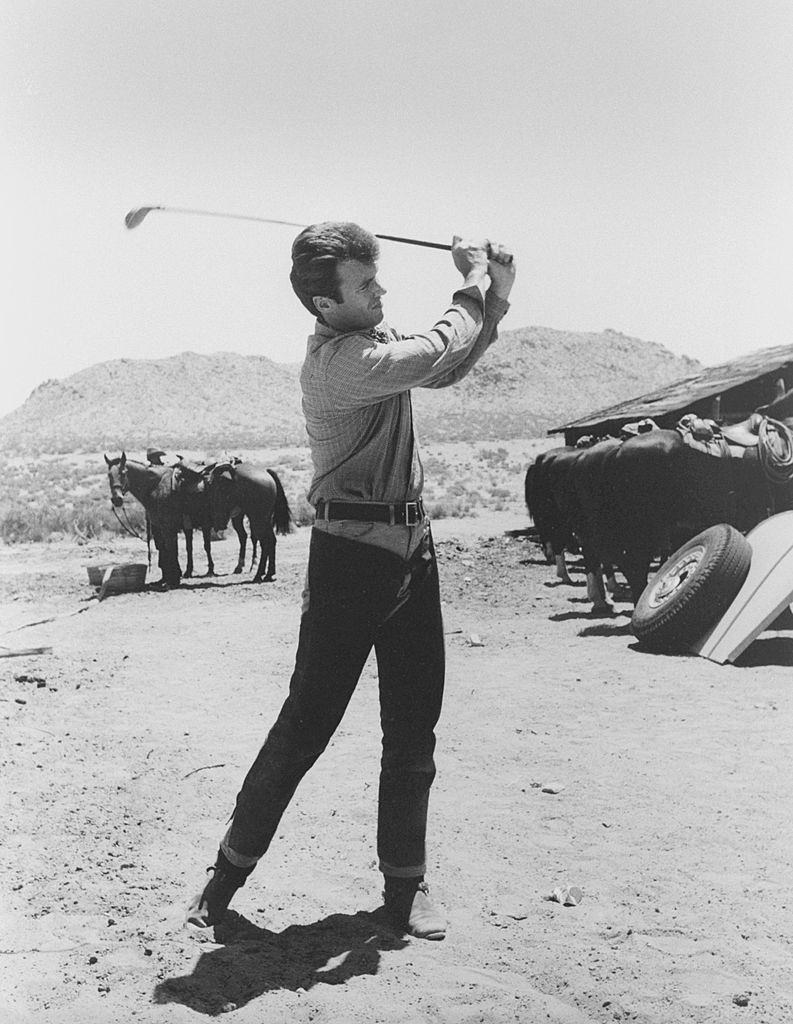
[{"x": 411, "y": 513}]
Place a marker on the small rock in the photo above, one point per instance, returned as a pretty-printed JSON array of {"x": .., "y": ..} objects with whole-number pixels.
[
  {"x": 475, "y": 640},
  {"x": 568, "y": 895},
  {"x": 20, "y": 700},
  {"x": 553, "y": 787},
  {"x": 742, "y": 999},
  {"x": 93, "y": 959}
]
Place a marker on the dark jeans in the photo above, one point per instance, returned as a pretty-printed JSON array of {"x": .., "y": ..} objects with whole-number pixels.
[{"x": 359, "y": 596}]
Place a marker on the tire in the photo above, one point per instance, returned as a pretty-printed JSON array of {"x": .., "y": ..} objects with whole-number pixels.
[{"x": 692, "y": 589}]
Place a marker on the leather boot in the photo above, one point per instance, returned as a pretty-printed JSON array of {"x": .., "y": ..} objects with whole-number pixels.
[
  {"x": 410, "y": 908},
  {"x": 210, "y": 905}
]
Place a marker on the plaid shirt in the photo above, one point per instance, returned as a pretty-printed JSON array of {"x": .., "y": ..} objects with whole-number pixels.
[{"x": 356, "y": 397}]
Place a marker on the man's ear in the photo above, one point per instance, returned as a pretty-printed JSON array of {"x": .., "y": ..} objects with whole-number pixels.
[{"x": 322, "y": 303}]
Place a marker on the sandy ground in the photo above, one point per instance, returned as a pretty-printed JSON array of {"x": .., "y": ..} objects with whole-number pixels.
[{"x": 123, "y": 748}]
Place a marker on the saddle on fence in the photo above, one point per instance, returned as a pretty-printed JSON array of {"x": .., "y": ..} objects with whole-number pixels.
[
  {"x": 704, "y": 436},
  {"x": 745, "y": 434},
  {"x": 757, "y": 437},
  {"x": 639, "y": 427}
]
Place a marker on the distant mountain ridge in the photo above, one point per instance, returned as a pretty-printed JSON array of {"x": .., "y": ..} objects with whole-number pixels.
[{"x": 533, "y": 379}]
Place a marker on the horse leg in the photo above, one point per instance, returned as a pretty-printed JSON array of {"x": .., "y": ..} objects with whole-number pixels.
[
  {"x": 271, "y": 573},
  {"x": 636, "y": 568},
  {"x": 561, "y": 569},
  {"x": 595, "y": 591},
  {"x": 266, "y": 571},
  {"x": 611, "y": 580},
  {"x": 239, "y": 529},
  {"x": 207, "y": 532},
  {"x": 188, "y": 543}
]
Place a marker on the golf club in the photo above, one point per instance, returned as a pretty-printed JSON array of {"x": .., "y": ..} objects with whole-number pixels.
[{"x": 136, "y": 216}]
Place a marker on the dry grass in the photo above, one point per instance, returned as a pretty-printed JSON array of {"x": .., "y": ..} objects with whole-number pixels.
[{"x": 56, "y": 497}]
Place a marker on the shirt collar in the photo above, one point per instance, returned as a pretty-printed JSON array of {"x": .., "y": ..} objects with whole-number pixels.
[{"x": 379, "y": 332}]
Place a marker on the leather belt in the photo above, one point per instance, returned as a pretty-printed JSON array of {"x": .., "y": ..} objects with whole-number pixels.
[{"x": 402, "y": 513}]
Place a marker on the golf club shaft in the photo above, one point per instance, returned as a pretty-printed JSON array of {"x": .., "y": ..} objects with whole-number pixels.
[{"x": 134, "y": 218}]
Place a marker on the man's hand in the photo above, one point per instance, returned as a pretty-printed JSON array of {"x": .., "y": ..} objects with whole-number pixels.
[
  {"x": 470, "y": 258},
  {"x": 501, "y": 268}
]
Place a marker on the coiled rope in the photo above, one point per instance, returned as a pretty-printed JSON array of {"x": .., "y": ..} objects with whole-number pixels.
[{"x": 775, "y": 450}]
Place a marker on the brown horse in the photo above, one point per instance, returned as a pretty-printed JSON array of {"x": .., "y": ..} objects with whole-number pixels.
[{"x": 241, "y": 489}]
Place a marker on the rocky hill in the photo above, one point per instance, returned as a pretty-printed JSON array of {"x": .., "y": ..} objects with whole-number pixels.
[{"x": 533, "y": 379}]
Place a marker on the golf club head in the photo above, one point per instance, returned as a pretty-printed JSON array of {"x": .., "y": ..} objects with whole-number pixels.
[{"x": 134, "y": 217}]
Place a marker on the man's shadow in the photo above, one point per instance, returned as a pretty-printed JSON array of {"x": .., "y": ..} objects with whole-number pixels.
[{"x": 255, "y": 960}]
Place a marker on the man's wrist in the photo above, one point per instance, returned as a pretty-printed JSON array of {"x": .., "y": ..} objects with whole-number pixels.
[
  {"x": 500, "y": 293},
  {"x": 479, "y": 279},
  {"x": 477, "y": 276}
]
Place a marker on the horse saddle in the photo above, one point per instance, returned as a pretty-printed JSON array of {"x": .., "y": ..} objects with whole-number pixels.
[
  {"x": 745, "y": 434},
  {"x": 703, "y": 435},
  {"x": 639, "y": 427},
  {"x": 192, "y": 476}
]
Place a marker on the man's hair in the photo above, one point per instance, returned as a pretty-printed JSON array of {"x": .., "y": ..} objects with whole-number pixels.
[{"x": 316, "y": 253}]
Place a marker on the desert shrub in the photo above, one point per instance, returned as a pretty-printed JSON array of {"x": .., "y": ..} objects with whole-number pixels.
[
  {"x": 67, "y": 496},
  {"x": 494, "y": 456}
]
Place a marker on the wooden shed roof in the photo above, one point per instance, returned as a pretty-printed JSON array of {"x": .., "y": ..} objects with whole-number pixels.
[{"x": 679, "y": 396}]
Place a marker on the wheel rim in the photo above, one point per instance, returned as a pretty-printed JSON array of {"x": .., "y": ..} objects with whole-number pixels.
[{"x": 676, "y": 576}]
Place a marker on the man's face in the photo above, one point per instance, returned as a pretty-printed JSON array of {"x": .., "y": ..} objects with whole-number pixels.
[{"x": 360, "y": 307}]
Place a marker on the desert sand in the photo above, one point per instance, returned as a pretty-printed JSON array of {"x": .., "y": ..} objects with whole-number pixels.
[{"x": 659, "y": 785}]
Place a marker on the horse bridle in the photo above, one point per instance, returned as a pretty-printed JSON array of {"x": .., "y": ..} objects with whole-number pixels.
[{"x": 123, "y": 487}]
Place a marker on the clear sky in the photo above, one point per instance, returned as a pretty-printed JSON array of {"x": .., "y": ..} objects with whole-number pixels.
[{"x": 637, "y": 154}]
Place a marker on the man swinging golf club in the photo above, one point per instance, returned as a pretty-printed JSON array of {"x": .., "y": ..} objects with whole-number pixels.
[{"x": 372, "y": 579}]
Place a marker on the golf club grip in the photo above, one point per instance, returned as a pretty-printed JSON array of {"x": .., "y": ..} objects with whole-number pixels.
[{"x": 419, "y": 241}]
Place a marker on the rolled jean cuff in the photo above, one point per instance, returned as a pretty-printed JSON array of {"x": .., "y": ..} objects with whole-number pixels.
[
  {"x": 239, "y": 860},
  {"x": 410, "y": 872}
]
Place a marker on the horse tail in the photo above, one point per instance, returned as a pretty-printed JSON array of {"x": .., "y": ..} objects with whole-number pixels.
[
  {"x": 528, "y": 490},
  {"x": 532, "y": 485},
  {"x": 282, "y": 514}
]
